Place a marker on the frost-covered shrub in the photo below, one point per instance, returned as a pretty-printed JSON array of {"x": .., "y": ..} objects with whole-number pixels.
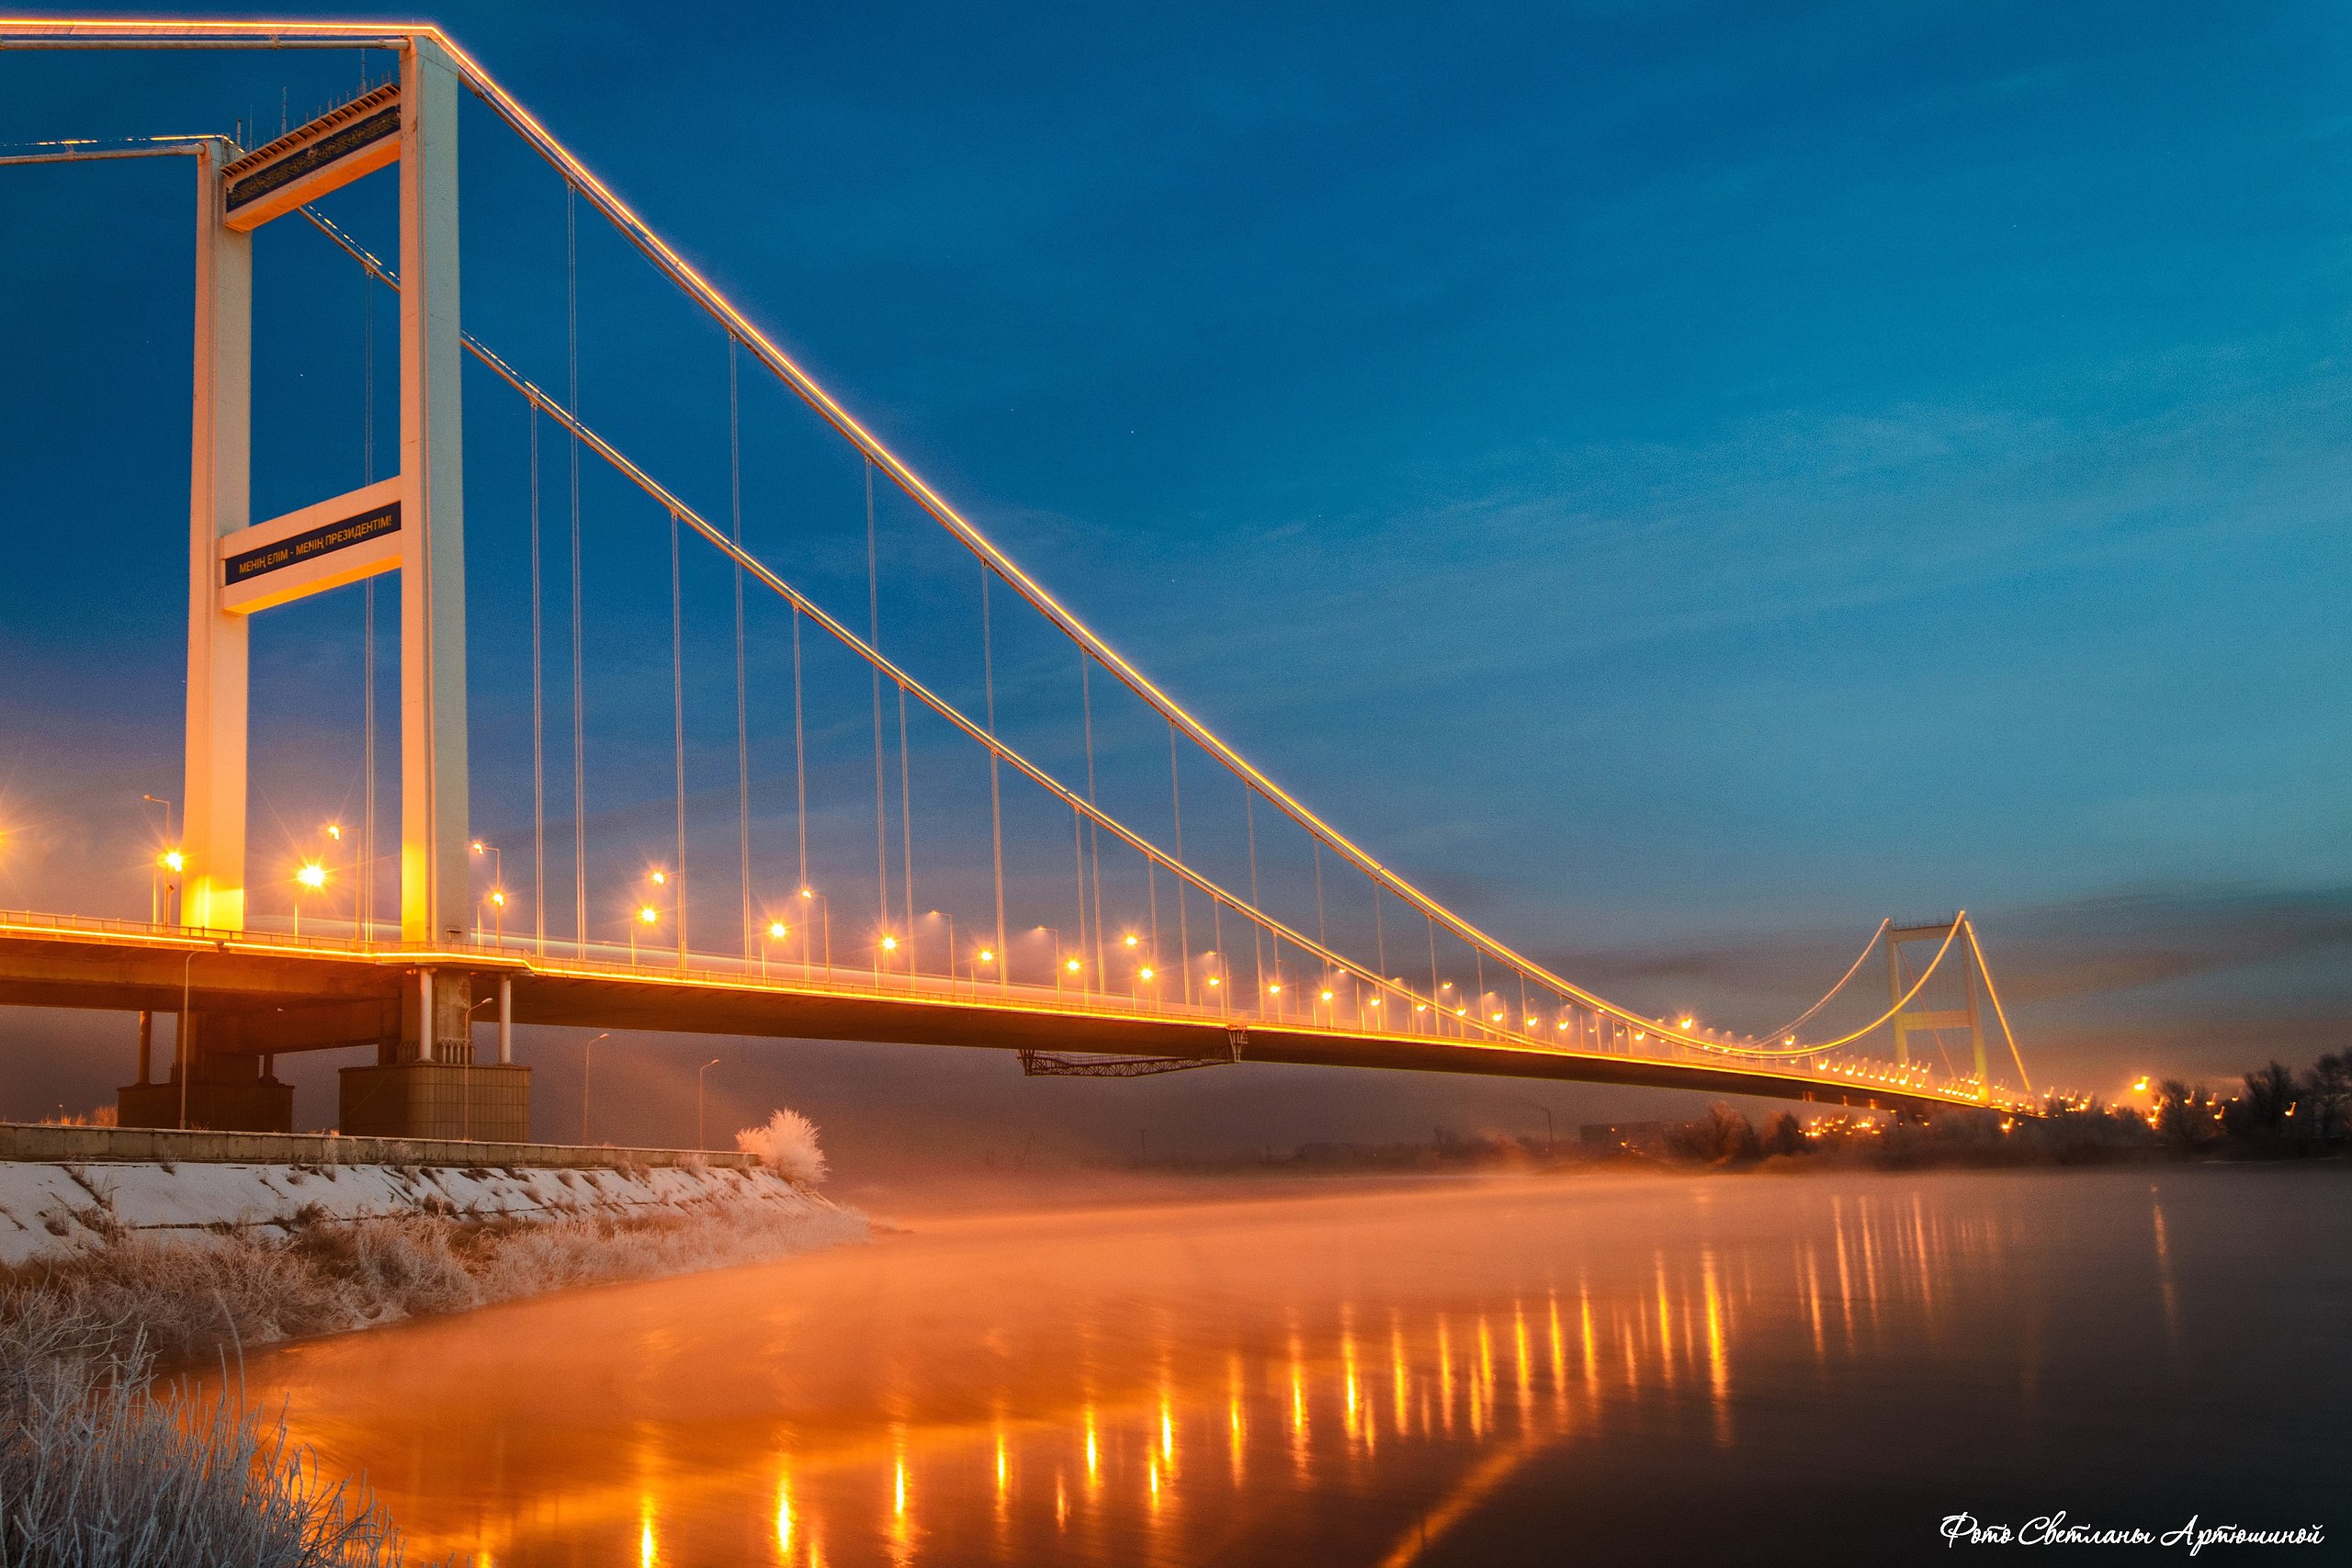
[
  {"x": 787, "y": 1145},
  {"x": 98, "y": 1469}
]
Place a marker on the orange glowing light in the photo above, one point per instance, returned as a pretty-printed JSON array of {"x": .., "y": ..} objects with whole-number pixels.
[
  {"x": 777, "y": 930},
  {"x": 1213, "y": 980},
  {"x": 648, "y": 914},
  {"x": 1130, "y": 940},
  {"x": 889, "y": 944},
  {"x": 173, "y": 861},
  {"x": 1326, "y": 996},
  {"x": 987, "y": 955},
  {"x": 1071, "y": 965},
  {"x": 1143, "y": 974},
  {"x": 312, "y": 874},
  {"x": 661, "y": 877}
]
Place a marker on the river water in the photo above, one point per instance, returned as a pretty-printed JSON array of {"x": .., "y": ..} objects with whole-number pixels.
[{"x": 1613, "y": 1370}]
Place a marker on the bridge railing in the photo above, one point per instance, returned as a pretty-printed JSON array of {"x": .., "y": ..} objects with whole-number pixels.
[{"x": 875, "y": 980}]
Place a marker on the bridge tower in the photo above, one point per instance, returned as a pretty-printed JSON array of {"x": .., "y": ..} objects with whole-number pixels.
[
  {"x": 413, "y": 522},
  {"x": 1927, "y": 1019}
]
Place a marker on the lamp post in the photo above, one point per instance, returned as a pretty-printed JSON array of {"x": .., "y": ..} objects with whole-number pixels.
[
  {"x": 698, "y": 1074},
  {"x": 647, "y": 915},
  {"x": 825, "y": 911},
  {"x": 312, "y": 876},
  {"x": 776, "y": 932},
  {"x": 160, "y": 887},
  {"x": 497, "y": 882},
  {"x": 587, "y": 1061},
  {"x": 1056, "y": 933}
]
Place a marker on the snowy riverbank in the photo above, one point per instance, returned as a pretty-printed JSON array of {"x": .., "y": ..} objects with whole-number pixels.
[{"x": 51, "y": 1211}]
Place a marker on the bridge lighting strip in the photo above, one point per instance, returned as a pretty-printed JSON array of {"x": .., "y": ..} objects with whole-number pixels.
[
  {"x": 164, "y": 33},
  {"x": 245, "y": 943},
  {"x": 182, "y": 940}
]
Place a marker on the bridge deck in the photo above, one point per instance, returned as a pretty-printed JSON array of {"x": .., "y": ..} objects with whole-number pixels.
[{"x": 51, "y": 961}]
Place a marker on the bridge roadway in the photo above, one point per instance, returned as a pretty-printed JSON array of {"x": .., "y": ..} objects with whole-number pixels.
[{"x": 320, "y": 993}]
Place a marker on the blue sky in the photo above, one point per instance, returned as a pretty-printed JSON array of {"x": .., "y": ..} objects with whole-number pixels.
[{"x": 1676, "y": 479}]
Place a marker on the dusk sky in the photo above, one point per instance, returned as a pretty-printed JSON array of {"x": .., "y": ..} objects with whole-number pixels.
[{"x": 1681, "y": 483}]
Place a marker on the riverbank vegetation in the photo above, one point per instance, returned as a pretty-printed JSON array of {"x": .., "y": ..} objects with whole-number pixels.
[
  {"x": 2276, "y": 1114},
  {"x": 102, "y": 1465}
]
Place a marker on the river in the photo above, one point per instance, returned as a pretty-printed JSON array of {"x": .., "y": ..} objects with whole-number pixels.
[{"x": 1606, "y": 1368}]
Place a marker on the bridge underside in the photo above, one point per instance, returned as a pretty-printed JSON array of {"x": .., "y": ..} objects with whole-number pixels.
[{"x": 254, "y": 998}]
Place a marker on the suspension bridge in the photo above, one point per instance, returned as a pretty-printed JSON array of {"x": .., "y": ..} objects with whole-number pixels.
[{"x": 1110, "y": 889}]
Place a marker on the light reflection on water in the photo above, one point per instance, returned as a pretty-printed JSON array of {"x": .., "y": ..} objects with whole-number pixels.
[{"x": 1385, "y": 1377}]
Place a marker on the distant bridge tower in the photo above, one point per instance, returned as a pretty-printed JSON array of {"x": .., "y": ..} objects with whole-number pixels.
[{"x": 1928, "y": 1020}]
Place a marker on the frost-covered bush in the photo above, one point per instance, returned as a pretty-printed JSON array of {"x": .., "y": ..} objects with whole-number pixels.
[
  {"x": 787, "y": 1144},
  {"x": 98, "y": 1469},
  {"x": 182, "y": 1301}
]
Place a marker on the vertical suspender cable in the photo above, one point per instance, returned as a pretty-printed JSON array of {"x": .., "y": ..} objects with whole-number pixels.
[
  {"x": 742, "y": 714},
  {"x": 996, "y": 799},
  {"x": 678, "y": 727},
  {"x": 1257, "y": 929},
  {"x": 1321, "y": 935},
  {"x": 579, "y": 681},
  {"x": 1379, "y": 936},
  {"x": 1176, "y": 810},
  {"x": 800, "y": 753},
  {"x": 1077, "y": 859},
  {"x": 1434, "y": 1015},
  {"x": 1095, "y": 834},
  {"x": 539, "y": 718},
  {"x": 906, "y": 833},
  {"x": 873, "y": 639},
  {"x": 368, "y": 618}
]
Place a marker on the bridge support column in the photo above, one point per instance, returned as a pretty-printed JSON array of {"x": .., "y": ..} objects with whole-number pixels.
[
  {"x": 436, "y": 871},
  {"x": 224, "y": 1092},
  {"x": 218, "y": 503}
]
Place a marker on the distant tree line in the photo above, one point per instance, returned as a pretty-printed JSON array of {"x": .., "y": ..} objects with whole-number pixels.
[{"x": 2281, "y": 1114}]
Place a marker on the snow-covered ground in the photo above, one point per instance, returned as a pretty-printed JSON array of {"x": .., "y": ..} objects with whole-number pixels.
[{"x": 50, "y": 1210}]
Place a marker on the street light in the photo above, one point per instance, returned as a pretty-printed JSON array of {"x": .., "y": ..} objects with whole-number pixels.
[
  {"x": 647, "y": 915},
  {"x": 777, "y": 931},
  {"x": 161, "y": 888},
  {"x": 313, "y": 876},
  {"x": 497, "y": 880},
  {"x": 825, "y": 909},
  {"x": 699, "y": 1073}
]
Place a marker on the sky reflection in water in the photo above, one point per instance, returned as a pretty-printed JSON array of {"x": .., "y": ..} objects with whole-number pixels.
[{"x": 1442, "y": 1374}]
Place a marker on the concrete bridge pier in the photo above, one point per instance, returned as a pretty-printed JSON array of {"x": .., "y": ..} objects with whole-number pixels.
[
  {"x": 427, "y": 1084},
  {"x": 226, "y": 1089}
]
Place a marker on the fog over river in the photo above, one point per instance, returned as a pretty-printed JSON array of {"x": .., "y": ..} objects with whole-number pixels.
[{"x": 1605, "y": 1368}]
